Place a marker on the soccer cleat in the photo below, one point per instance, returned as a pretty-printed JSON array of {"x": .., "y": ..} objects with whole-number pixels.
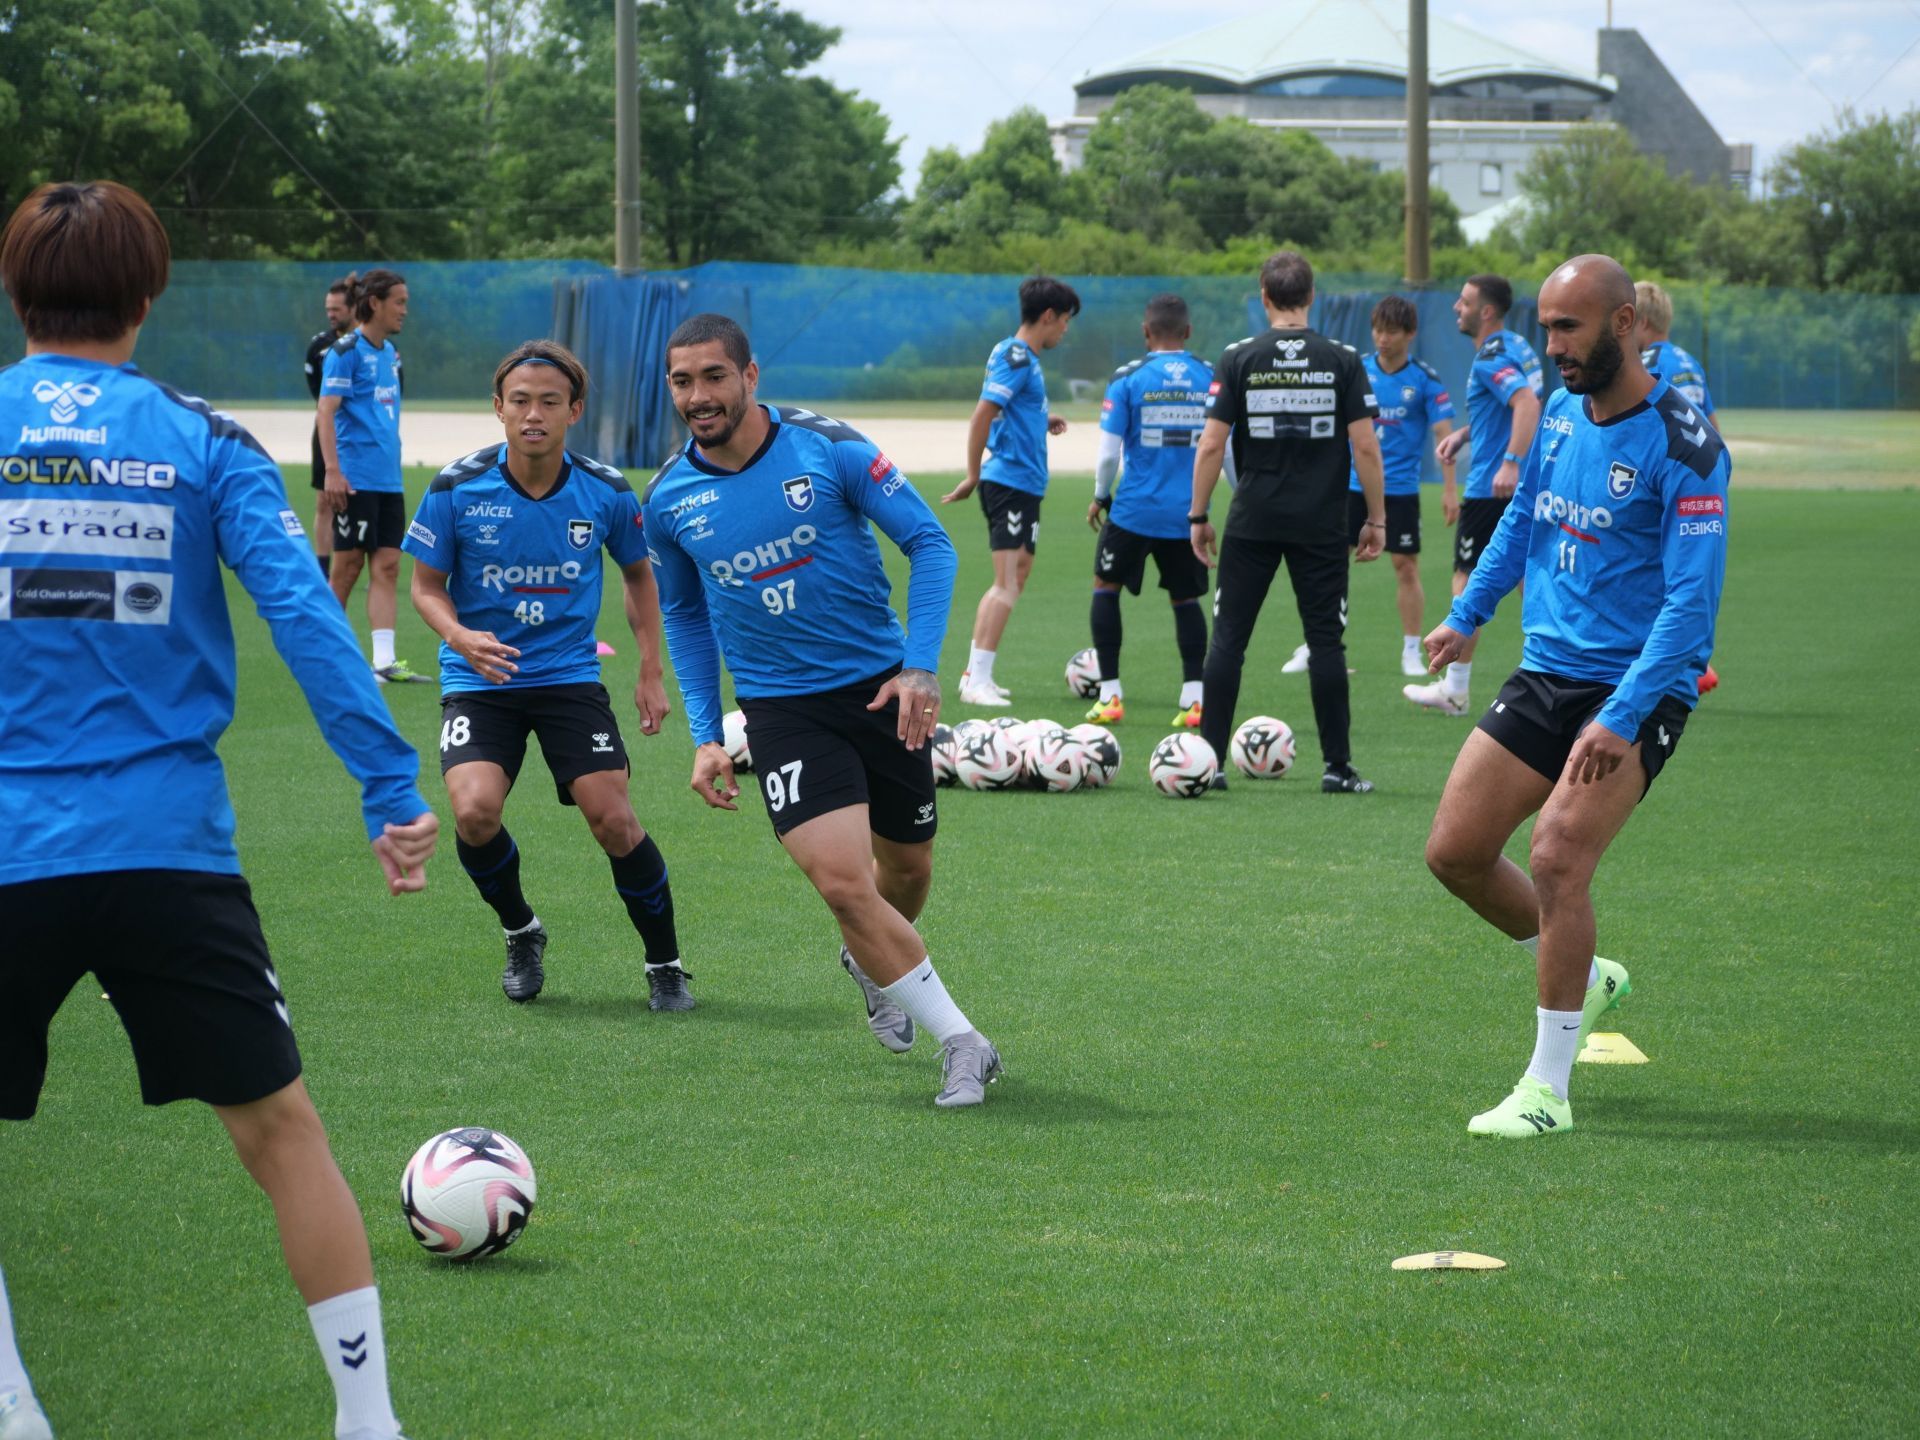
[
  {"x": 1344, "y": 780},
  {"x": 1219, "y": 781},
  {"x": 1608, "y": 991},
  {"x": 21, "y": 1417},
  {"x": 1189, "y": 718},
  {"x": 1437, "y": 697},
  {"x": 983, "y": 695},
  {"x": 1412, "y": 664},
  {"x": 968, "y": 1064},
  {"x": 525, "y": 975},
  {"x": 1532, "y": 1109},
  {"x": 667, "y": 988},
  {"x": 401, "y": 673},
  {"x": 891, "y": 1025},
  {"x": 966, "y": 678},
  {"x": 1107, "y": 712},
  {"x": 1296, "y": 663}
]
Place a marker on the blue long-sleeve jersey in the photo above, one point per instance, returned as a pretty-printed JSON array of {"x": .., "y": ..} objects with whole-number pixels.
[
  {"x": 775, "y": 567},
  {"x": 119, "y": 500},
  {"x": 1620, "y": 531}
]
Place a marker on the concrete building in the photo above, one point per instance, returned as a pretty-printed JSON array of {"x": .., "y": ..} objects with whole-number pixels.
[{"x": 1338, "y": 69}]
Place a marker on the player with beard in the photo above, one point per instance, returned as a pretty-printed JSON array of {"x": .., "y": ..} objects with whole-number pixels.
[
  {"x": 761, "y": 532},
  {"x": 339, "y": 321},
  {"x": 1619, "y": 529}
]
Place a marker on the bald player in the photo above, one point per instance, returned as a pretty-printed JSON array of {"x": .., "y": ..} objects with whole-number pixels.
[{"x": 1619, "y": 529}]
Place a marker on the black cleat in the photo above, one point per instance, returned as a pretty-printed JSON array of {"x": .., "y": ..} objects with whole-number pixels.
[
  {"x": 667, "y": 988},
  {"x": 1219, "y": 781},
  {"x": 525, "y": 976},
  {"x": 1343, "y": 780}
]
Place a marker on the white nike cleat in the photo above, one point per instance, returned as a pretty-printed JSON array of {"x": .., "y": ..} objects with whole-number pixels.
[
  {"x": 984, "y": 695},
  {"x": 21, "y": 1417},
  {"x": 1297, "y": 664},
  {"x": 966, "y": 679},
  {"x": 1437, "y": 697},
  {"x": 1411, "y": 663},
  {"x": 890, "y": 1025}
]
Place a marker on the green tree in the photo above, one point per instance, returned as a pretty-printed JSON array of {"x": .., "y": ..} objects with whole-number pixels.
[
  {"x": 1012, "y": 185},
  {"x": 1853, "y": 198},
  {"x": 1596, "y": 191}
]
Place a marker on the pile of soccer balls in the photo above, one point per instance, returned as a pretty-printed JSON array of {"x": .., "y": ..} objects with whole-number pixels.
[{"x": 1005, "y": 754}]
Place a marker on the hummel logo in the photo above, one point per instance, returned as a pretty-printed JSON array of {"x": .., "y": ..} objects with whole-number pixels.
[
  {"x": 926, "y": 813},
  {"x": 600, "y": 741},
  {"x": 1541, "y": 1122},
  {"x": 1664, "y": 741},
  {"x": 1014, "y": 518},
  {"x": 353, "y": 1353},
  {"x": 1106, "y": 559},
  {"x": 65, "y": 400},
  {"x": 1292, "y": 348}
]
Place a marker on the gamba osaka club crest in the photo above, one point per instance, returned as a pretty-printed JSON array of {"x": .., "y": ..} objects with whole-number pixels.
[
  {"x": 799, "y": 492},
  {"x": 1620, "y": 480},
  {"x": 580, "y": 534}
]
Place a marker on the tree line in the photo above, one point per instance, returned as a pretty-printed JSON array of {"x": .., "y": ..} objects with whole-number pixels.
[{"x": 483, "y": 129}]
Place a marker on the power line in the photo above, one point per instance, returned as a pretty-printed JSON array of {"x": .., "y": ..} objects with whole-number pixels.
[
  {"x": 1888, "y": 71},
  {"x": 1742, "y": 6},
  {"x": 221, "y": 125},
  {"x": 1070, "y": 48}
]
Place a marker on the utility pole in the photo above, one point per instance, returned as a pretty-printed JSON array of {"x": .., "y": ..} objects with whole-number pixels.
[
  {"x": 626, "y": 124},
  {"x": 1419, "y": 262}
]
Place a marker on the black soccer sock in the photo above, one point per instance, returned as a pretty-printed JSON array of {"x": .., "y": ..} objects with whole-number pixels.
[
  {"x": 495, "y": 871},
  {"x": 1327, "y": 674},
  {"x": 1190, "y": 634},
  {"x": 640, "y": 876},
  {"x": 326, "y": 564},
  {"x": 1106, "y": 632}
]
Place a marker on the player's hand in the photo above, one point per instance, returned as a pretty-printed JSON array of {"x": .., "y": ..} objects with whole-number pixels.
[
  {"x": 918, "y": 692},
  {"x": 403, "y": 852},
  {"x": 1373, "y": 539},
  {"x": 482, "y": 649},
  {"x": 713, "y": 778},
  {"x": 1443, "y": 645},
  {"x": 1506, "y": 480},
  {"x": 1596, "y": 755},
  {"x": 336, "y": 487},
  {"x": 1450, "y": 504},
  {"x": 650, "y": 699},
  {"x": 1450, "y": 446},
  {"x": 1056, "y": 425},
  {"x": 1095, "y": 516},
  {"x": 1205, "y": 543},
  {"x": 960, "y": 491}
]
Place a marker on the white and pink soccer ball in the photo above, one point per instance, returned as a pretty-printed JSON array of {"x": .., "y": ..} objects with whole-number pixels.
[
  {"x": 1182, "y": 765},
  {"x": 988, "y": 760},
  {"x": 1083, "y": 674},
  {"x": 1103, "y": 754},
  {"x": 733, "y": 736},
  {"x": 1058, "y": 762},
  {"x": 468, "y": 1193},
  {"x": 945, "y": 752},
  {"x": 1262, "y": 748}
]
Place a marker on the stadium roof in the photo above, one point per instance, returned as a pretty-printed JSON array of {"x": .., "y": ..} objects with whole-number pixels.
[{"x": 1364, "y": 37}]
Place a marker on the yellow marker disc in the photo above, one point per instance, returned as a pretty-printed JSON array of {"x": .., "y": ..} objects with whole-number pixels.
[
  {"x": 1605, "y": 1048},
  {"x": 1449, "y": 1260}
]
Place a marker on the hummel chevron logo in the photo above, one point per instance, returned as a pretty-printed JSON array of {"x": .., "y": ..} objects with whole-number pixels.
[
  {"x": 1541, "y": 1122},
  {"x": 353, "y": 1353},
  {"x": 1013, "y": 519}
]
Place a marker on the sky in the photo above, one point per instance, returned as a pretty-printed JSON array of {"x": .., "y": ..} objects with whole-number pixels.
[{"x": 1766, "y": 71}]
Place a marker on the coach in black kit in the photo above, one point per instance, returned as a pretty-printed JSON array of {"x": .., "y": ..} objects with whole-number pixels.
[{"x": 1297, "y": 407}]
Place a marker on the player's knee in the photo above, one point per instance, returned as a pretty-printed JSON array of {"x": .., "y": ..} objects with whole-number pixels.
[
  {"x": 476, "y": 817},
  {"x": 912, "y": 867},
  {"x": 1560, "y": 867},
  {"x": 848, "y": 891},
  {"x": 267, "y": 1130},
  {"x": 616, "y": 828},
  {"x": 1454, "y": 864},
  {"x": 386, "y": 564}
]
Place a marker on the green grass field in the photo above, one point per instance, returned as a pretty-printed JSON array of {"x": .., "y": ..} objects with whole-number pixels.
[{"x": 1243, "y": 1034}]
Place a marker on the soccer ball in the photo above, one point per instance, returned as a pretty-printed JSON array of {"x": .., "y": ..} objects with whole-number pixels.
[
  {"x": 1083, "y": 674},
  {"x": 1103, "y": 753},
  {"x": 733, "y": 735},
  {"x": 467, "y": 1194},
  {"x": 946, "y": 751},
  {"x": 988, "y": 762},
  {"x": 1004, "y": 722},
  {"x": 1182, "y": 765},
  {"x": 967, "y": 729},
  {"x": 1059, "y": 762},
  {"x": 1262, "y": 748}
]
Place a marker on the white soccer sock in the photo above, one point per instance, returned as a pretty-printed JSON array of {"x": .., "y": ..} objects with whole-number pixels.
[
  {"x": 1410, "y": 644},
  {"x": 13, "y": 1370},
  {"x": 673, "y": 964},
  {"x": 533, "y": 924},
  {"x": 382, "y": 649},
  {"x": 354, "y": 1347},
  {"x": 1457, "y": 677},
  {"x": 980, "y": 666},
  {"x": 1189, "y": 693},
  {"x": 1110, "y": 690},
  {"x": 1532, "y": 947},
  {"x": 1556, "y": 1032},
  {"x": 920, "y": 993}
]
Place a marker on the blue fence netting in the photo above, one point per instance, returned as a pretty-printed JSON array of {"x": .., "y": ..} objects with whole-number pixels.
[{"x": 237, "y": 331}]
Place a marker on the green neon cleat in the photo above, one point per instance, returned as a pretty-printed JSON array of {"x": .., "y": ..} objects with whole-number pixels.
[
  {"x": 1532, "y": 1109},
  {"x": 1608, "y": 991}
]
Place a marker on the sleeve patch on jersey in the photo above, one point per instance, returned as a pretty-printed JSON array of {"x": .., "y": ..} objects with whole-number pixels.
[
  {"x": 1017, "y": 355},
  {"x": 879, "y": 469},
  {"x": 1106, "y": 407},
  {"x": 1214, "y": 388},
  {"x": 1504, "y": 374},
  {"x": 993, "y": 388},
  {"x": 1701, "y": 505},
  {"x": 417, "y": 531},
  {"x": 290, "y": 522}
]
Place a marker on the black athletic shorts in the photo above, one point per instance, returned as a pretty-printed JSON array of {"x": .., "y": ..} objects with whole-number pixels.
[
  {"x": 319, "y": 462},
  {"x": 574, "y": 724},
  {"x": 1121, "y": 559},
  {"x": 373, "y": 520},
  {"x": 180, "y": 955},
  {"x": 814, "y": 754},
  {"x": 1013, "y": 517},
  {"x": 1403, "y": 522},
  {"x": 1539, "y": 717},
  {"x": 1478, "y": 520}
]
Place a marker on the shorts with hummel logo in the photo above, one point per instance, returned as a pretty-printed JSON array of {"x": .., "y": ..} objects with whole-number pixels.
[
  {"x": 574, "y": 724},
  {"x": 1539, "y": 717},
  {"x": 1478, "y": 520},
  {"x": 1013, "y": 517},
  {"x": 814, "y": 754},
  {"x": 1121, "y": 559},
  {"x": 1403, "y": 522}
]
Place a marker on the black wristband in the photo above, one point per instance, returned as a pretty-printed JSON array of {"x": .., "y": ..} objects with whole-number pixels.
[
  {"x": 1105, "y": 502},
  {"x": 1199, "y": 519},
  {"x": 1373, "y": 524}
]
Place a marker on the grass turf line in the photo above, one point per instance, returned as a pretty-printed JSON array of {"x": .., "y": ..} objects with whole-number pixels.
[{"x": 1244, "y": 1035}]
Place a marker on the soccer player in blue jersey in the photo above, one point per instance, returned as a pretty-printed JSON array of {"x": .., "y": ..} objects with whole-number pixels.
[
  {"x": 121, "y": 500},
  {"x": 506, "y": 549},
  {"x": 1503, "y": 407},
  {"x": 1154, "y": 411},
  {"x": 360, "y": 437},
  {"x": 1619, "y": 529},
  {"x": 761, "y": 532},
  {"x": 1011, "y": 422},
  {"x": 1660, "y": 355}
]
